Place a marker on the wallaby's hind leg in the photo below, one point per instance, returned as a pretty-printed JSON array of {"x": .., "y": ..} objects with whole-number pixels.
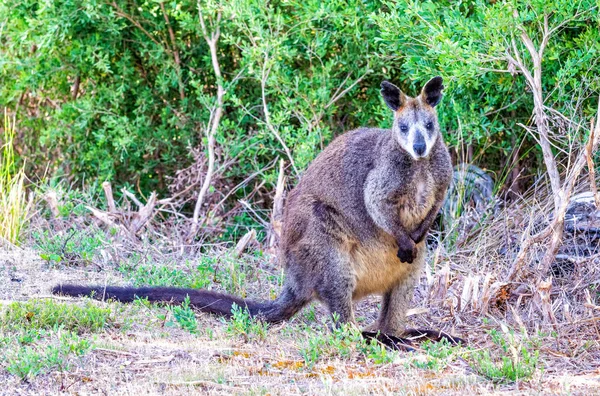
[
  {"x": 336, "y": 287},
  {"x": 339, "y": 303},
  {"x": 395, "y": 303}
]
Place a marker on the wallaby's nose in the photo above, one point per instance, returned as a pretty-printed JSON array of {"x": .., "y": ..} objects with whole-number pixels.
[{"x": 419, "y": 148}]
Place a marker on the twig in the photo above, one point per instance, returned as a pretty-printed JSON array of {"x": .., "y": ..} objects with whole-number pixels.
[
  {"x": 215, "y": 118},
  {"x": 110, "y": 201},
  {"x": 52, "y": 200},
  {"x": 132, "y": 197},
  {"x": 337, "y": 96},
  {"x": 243, "y": 243},
  {"x": 590, "y": 164},
  {"x": 121, "y": 13}
]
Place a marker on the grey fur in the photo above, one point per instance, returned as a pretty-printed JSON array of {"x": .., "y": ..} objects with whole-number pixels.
[
  {"x": 364, "y": 202},
  {"x": 354, "y": 225}
]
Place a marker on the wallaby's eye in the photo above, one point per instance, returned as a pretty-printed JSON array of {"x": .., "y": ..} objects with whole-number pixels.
[
  {"x": 403, "y": 128},
  {"x": 429, "y": 125}
]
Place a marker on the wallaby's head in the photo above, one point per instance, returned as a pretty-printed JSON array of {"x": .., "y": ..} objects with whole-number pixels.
[{"x": 415, "y": 120}]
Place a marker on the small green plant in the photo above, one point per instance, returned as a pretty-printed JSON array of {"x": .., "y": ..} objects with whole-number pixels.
[
  {"x": 26, "y": 362},
  {"x": 198, "y": 277},
  {"x": 518, "y": 361},
  {"x": 52, "y": 315},
  {"x": 75, "y": 246},
  {"x": 310, "y": 314},
  {"x": 345, "y": 341},
  {"x": 234, "y": 277},
  {"x": 184, "y": 316},
  {"x": 40, "y": 336},
  {"x": 13, "y": 204},
  {"x": 437, "y": 355},
  {"x": 242, "y": 324}
]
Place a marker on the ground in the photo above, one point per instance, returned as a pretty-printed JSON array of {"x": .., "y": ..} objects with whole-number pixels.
[{"x": 114, "y": 348}]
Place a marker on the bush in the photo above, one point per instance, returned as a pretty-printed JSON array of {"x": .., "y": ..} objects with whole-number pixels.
[{"x": 113, "y": 91}]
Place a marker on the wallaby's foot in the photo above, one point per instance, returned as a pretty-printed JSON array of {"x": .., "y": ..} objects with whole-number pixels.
[
  {"x": 432, "y": 335},
  {"x": 392, "y": 342}
]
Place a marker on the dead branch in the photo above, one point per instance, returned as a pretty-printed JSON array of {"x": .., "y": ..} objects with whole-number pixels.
[
  {"x": 52, "y": 200},
  {"x": 277, "y": 213},
  {"x": 132, "y": 197},
  {"x": 561, "y": 191},
  {"x": 145, "y": 213},
  {"x": 589, "y": 152},
  {"x": 110, "y": 201},
  {"x": 248, "y": 238},
  {"x": 215, "y": 117},
  {"x": 129, "y": 223}
]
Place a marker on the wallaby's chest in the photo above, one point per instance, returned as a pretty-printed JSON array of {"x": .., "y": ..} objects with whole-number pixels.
[{"x": 415, "y": 198}]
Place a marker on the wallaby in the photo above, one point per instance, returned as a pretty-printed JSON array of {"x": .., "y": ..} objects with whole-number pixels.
[{"x": 354, "y": 225}]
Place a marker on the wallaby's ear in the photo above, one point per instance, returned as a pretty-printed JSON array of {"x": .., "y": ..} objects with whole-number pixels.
[
  {"x": 391, "y": 95},
  {"x": 432, "y": 91}
]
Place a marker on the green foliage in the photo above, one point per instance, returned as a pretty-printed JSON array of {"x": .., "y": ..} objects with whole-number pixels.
[
  {"x": 48, "y": 314},
  {"x": 242, "y": 324},
  {"x": 346, "y": 342},
  {"x": 184, "y": 316},
  {"x": 121, "y": 91},
  {"x": 27, "y": 362},
  {"x": 39, "y": 336},
  {"x": 195, "y": 276},
  {"x": 71, "y": 247},
  {"x": 437, "y": 355},
  {"x": 518, "y": 361}
]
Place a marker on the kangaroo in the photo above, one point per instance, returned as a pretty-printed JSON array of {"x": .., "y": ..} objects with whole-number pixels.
[{"x": 354, "y": 225}]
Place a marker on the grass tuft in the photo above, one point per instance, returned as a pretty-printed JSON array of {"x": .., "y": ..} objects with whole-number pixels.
[
  {"x": 517, "y": 362},
  {"x": 49, "y": 314},
  {"x": 347, "y": 342},
  {"x": 242, "y": 324},
  {"x": 13, "y": 204}
]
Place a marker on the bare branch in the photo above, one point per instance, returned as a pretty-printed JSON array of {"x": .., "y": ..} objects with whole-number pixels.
[
  {"x": 110, "y": 201},
  {"x": 337, "y": 97},
  {"x": 132, "y": 197},
  {"x": 215, "y": 119}
]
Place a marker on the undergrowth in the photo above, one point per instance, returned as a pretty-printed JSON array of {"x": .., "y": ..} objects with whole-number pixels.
[
  {"x": 346, "y": 342},
  {"x": 518, "y": 360},
  {"x": 40, "y": 336},
  {"x": 74, "y": 246},
  {"x": 13, "y": 203},
  {"x": 243, "y": 324}
]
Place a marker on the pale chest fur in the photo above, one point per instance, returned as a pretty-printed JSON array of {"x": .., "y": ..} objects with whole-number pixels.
[
  {"x": 376, "y": 268},
  {"x": 414, "y": 205}
]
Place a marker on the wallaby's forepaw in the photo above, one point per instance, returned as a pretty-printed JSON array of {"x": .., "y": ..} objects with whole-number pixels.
[
  {"x": 407, "y": 255},
  {"x": 417, "y": 236}
]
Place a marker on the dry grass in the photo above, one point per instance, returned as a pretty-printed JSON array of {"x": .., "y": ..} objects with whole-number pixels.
[
  {"x": 13, "y": 203},
  {"x": 145, "y": 349}
]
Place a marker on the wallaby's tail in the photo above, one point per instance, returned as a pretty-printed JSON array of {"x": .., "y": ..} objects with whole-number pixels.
[{"x": 282, "y": 308}]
